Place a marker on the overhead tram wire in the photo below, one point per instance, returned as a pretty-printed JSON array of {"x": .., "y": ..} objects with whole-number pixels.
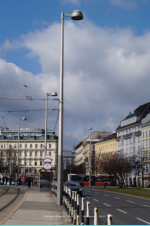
[
  {"x": 22, "y": 84},
  {"x": 9, "y": 111}
]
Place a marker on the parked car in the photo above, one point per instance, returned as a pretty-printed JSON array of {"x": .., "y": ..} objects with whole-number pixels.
[{"x": 74, "y": 186}]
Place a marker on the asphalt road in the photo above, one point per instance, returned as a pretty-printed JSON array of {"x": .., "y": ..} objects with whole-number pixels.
[{"x": 126, "y": 210}]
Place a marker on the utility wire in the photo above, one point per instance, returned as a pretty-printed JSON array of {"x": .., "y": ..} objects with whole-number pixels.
[
  {"x": 28, "y": 110},
  {"x": 22, "y": 84}
]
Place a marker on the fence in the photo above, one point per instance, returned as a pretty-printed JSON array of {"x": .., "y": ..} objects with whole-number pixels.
[{"x": 79, "y": 212}]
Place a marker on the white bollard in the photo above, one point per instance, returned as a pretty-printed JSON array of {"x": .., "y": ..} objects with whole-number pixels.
[
  {"x": 88, "y": 214},
  {"x": 109, "y": 219},
  {"x": 95, "y": 216}
]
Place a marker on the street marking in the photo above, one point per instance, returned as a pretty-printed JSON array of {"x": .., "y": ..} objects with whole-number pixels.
[
  {"x": 121, "y": 211},
  {"x": 96, "y": 200},
  {"x": 143, "y": 221},
  {"x": 146, "y": 205},
  {"x": 106, "y": 204},
  {"x": 116, "y": 198},
  {"x": 96, "y": 193},
  {"x": 106, "y": 195},
  {"x": 130, "y": 201}
]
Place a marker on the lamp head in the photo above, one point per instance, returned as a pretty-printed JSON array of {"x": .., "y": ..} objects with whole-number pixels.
[
  {"x": 90, "y": 128},
  {"x": 24, "y": 119},
  {"x": 77, "y": 15},
  {"x": 54, "y": 94}
]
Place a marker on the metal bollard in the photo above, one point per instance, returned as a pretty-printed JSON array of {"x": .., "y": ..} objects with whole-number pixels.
[
  {"x": 78, "y": 218},
  {"x": 82, "y": 211},
  {"x": 88, "y": 214},
  {"x": 78, "y": 200},
  {"x": 68, "y": 207},
  {"x": 72, "y": 205},
  {"x": 75, "y": 217},
  {"x": 109, "y": 219},
  {"x": 95, "y": 216},
  {"x": 75, "y": 200}
]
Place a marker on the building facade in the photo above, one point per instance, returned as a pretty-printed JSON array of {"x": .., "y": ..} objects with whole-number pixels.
[
  {"x": 107, "y": 145},
  {"x": 31, "y": 150},
  {"x": 129, "y": 138},
  {"x": 83, "y": 150},
  {"x": 145, "y": 131},
  {"x": 68, "y": 158}
]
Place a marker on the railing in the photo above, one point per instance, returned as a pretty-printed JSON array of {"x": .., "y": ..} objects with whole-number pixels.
[{"x": 79, "y": 214}]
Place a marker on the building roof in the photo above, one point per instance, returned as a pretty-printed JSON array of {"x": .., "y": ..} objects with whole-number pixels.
[{"x": 141, "y": 112}]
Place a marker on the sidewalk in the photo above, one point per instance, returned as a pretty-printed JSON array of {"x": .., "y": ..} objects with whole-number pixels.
[{"x": 39, "y": 209}]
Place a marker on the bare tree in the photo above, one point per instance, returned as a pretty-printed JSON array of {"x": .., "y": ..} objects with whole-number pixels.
[{"x": 117, "y": 165}]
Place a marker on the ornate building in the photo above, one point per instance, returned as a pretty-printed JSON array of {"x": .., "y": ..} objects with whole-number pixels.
[{"x": 31, "y": 150}]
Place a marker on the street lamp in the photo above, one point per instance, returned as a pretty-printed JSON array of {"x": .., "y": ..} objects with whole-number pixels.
[
  {"x": 90, "y": 128},
  {"x": 23, "y": 119},
  {"x": 76, "y": 15},
  {"x": 54, "y": 94}
]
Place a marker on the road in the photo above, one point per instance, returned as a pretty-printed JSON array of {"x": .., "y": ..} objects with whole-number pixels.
[{"x": 129, "y": 210}]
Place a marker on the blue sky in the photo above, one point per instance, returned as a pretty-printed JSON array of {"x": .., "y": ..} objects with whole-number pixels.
[{"x": 108, "y": 52}]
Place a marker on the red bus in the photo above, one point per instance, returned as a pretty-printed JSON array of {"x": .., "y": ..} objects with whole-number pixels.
[{"x": 96, "y": 180}]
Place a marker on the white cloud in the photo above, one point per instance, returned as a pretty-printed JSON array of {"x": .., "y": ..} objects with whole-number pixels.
[
  {"x": 130, "y": 4},
  {"x": 106, "y": 74},
  {"x": 74, "y": 2}
]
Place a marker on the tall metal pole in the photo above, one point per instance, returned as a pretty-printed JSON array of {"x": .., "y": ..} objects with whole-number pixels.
[
  {"x": 90, "y": 162},
  {"x": 60, "y": 139},
  {"x": 11, "y": 163},
  {"x": 45, "y": 150},
  {"x": 18, "y": 150},
  {"x": 25, "y": 158}
]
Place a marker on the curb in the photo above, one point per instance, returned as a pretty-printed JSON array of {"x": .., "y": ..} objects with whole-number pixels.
[{"x": 14, "y": 210}]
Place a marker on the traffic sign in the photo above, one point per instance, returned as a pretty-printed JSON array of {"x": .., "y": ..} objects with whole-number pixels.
[
  {"x": 136, "y": 170},
  {"x": 47, "y": 166},
  {"x": 47, "y": 159}
]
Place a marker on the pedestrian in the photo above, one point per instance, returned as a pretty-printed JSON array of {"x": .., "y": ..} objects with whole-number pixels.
[
  {"x": 19, "y": 180},
  {"x": 29, "y": 181},
  {"x": 3, "y": 179},
  {"x": 25, "y": 180},
  {"x": 32, "y": 182}
]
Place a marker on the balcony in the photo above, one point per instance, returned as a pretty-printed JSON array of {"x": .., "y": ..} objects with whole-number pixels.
[
  {"x": 127, "y": 136},
  {"x": 138, "y": 133}
]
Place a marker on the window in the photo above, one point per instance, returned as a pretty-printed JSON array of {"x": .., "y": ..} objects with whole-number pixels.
[
  {"x": 1, "y": 145},
  {"x": 25, "y": 153},
  {"x": 143, "y": 144},
  {"x": 20, "y": 145},
  {"x": 138, "y": 139},
  {"x": 49, "y": 145},
  {"x": 15, "y": 145},
  {"x": 35, "y": 171},
  {"x": 41, "y": 153},
  {"x": 30, "y": 145},
  {"x": 30, "y": 153},
  {"x": 49, "y": 153},
  {"x": 20, "y": 153},
  {"x": 41, "y": 146},
  {"x": 40, "y": 163},
  {"x": 30, "y": 163},
  {"x": 133, "y": 139},
  {"x": 35, "y": 163},
  {"x": 25, "y": 145},
  {"x": 4, "y": 145},
  {"x": 35, "y": 145},
  {"x": 143, "y": 134},
  {"x": 35, "y": 153},
  {"x": 93, "y": 147},
  {"x": 146, "y": 133}
]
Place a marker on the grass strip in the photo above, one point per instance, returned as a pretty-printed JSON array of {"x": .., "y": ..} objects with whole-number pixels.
[{"x": 129, "y": 191}]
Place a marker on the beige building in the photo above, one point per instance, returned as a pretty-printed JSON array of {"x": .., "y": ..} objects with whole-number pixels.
[
  {"x": 145, "y": 132},
  {"x": 32, "y": 142},
  {"x": 83, "y": 149}
]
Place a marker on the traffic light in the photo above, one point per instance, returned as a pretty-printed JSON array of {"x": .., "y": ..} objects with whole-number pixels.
[{"x": 16, "y": 169}]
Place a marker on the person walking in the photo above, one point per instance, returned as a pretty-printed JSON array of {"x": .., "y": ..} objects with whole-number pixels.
[
  {"x": 29, "y": 181},
  {"x": 32, "y": 182}
]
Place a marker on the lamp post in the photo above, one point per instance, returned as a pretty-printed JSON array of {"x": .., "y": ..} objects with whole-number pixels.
[
  {"x": 90, "y": 159},
  {"x": 76, "y": 15},
  {"x": 54, "y": 94},
  {"x": 24, "y": 119},
  {"x": 25, "y": 154}
]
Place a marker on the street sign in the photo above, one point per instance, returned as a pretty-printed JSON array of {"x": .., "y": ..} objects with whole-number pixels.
[
  {"x": 47, "y": 159},
  {"x": 136, "y": 170},
  {"x": 47, "y": 166}
]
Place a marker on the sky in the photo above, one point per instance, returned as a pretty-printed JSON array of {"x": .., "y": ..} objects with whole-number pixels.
[{"x": 106, "y": 63}]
